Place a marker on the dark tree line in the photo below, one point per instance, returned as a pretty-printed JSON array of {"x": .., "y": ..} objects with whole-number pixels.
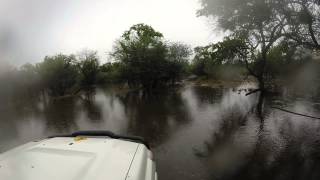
[
  {"x": 265, "y": 37},
  {"x": 141, "y": 58}
]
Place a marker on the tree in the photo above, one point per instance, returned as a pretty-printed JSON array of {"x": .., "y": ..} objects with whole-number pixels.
[
  {"x": 111, "y": 72},
  {"x": 258, "y": 23},
  {"x": 226, "y": 52},
  {"x": 263, "y": 25},
  {"x": 59, "y": 74},
  {"x": 200, "y": 61},
  {"x": 178, "y": 58},
  {"x": 303, "y": 16},
  {"x": 143, "y": 53},
  {"x": 29, "y": 80},
  {"x": 89, "y": 67}
]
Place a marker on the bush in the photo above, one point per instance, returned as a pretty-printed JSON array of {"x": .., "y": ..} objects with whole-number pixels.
[{"x": 59, "y": 74}]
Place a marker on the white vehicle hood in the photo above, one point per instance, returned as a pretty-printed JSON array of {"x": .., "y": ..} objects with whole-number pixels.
[{"x": 65, "y": 158}]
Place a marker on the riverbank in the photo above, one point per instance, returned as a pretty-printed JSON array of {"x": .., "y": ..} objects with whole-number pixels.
[
  {"x": 122, "y": 89},
  {"x": 214, "y": 83}
]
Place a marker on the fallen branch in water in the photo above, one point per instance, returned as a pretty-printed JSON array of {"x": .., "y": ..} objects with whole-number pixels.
[
  {"x": 295, "y": 113},
  {"x": 254, "y": 91}
]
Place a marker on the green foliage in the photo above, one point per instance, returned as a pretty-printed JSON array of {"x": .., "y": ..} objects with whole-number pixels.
[
  {"x": 235, "y": 15},
  {"x": 304, "y": 22},
  {"x": 142, "y": 59},
  {"x": 59, "y": 74},
  {"x": 111, "y": 73},
  {"x": 89, "y": 68},
  {"x": 178, "y": 52},
  {"x": 262, "y": 25},
  {"x": 19, "y": 85},
  {"x": 211, "y": 58},
  {"x": 29, "y": 80},
  {"x": 142, "y": 52},
  {"x": 146, "y": 60},
  {"x": 284, "y": 60},
  {"x": 178, "y": 60}
]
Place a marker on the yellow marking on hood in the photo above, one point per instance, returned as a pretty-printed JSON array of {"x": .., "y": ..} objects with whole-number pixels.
[{"x": 78, "y": 138}]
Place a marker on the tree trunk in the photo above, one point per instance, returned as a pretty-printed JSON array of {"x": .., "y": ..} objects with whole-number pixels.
[{"x": 260, "y": 105}]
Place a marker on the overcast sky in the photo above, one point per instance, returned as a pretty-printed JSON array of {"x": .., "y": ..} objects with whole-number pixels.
[{"x": 31, "y": 29}]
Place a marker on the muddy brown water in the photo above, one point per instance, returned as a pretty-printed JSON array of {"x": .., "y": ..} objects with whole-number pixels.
[{"x": 195, "y": 132}]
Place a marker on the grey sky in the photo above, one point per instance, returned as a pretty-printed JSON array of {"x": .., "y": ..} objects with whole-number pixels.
[{"x": 31, "y": 29}]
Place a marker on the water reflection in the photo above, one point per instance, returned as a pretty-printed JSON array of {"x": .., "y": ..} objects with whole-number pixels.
[
  {"x": 19, "y": 124},
  {"x": 60, "y": 115},
  {"x": 90, "y": 106},
  {"x": 155, "y": 116},
  {"x": 207, "y": 95},
  {"x": 281, "y": 146},
  {"x": 196, "y": 132}
]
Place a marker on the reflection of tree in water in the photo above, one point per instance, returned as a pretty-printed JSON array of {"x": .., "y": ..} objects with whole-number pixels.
[
  {"x": 230, "y": 124},
  {"x": 60, "y": 114},
  {"x": 299, "y": 157},
  {"x": 92, "y": 109},
  {"x": 301, "y": 154},
  {"x": 155, "y": 116},
  {"x": 12, "y": 115},
  {"x": 208, "y": 95},
  {"x": 295, "y": 156},
  {"x": 9, "y": 129}
]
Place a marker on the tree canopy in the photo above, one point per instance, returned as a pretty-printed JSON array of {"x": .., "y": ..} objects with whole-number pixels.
[
  {"x": 89, "y": 67},
  {"x": 59, "y": 73},
  {"x": 228, "y": 51},
  {"x": 303, "y": 16},
  {"x": 262, "y": 25},
  {"x": 147, "y": 59},
  {"x": 142, "y": 51}
]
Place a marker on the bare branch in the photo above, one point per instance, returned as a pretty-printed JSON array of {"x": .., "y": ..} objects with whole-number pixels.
[{"x": 253, "y": 92}]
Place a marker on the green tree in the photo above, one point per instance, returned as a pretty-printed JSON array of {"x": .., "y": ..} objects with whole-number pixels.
[
  {"x": 89, "y": 67},
  {"x": 29, "y": 79},
  {"x": 260, "y": 24},
  {"x": 178, "y": 60},
  {"x": 111, "y": 72},
  {"x": 59, "y": 74},
  {"x": 143, "y": 53},
  {"x": 202, "y": 60},
  {"x": 264, "y": 24},
  {"x": 283, "y": 59},
  {"x": 209, "y": 58},
  {"x": 303, "y": 18}
]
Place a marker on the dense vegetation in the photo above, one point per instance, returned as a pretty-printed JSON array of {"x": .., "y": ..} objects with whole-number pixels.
[
  {"x": 219, "y": 60},
  {"x": 146, "y": 60},
  {"x": 141, "y": 58},
  {"x": 262, "y": 31},
  {"x": 267, "y": 40}
]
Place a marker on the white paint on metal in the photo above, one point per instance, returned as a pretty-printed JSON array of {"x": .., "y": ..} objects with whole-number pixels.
[{"x": 65, "y": 158}]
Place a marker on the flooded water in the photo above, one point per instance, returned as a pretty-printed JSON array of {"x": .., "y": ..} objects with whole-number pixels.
[{"x": 195, "y": 132}]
